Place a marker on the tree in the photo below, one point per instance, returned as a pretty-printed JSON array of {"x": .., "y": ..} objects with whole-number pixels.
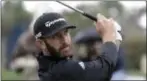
[{"x": 13, "y": 12}]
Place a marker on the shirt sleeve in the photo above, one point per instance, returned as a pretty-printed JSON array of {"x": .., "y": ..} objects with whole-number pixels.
[
  {"x": 108, "y": 57},
  {"x": 99, "y": 69}
]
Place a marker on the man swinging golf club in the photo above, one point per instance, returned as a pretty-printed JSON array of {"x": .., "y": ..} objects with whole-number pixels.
[{"x": 53, "y": 39}]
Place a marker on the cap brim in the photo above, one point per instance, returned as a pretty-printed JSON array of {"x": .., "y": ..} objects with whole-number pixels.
[{"x": 61, "y": 28}]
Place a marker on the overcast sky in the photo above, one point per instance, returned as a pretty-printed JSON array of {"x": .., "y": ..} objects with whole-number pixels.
[
  {"x": 39, "y": 7},
  {"x": 31, "y": 5}
]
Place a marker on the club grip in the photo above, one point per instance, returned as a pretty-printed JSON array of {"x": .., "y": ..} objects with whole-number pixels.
[{"x": 89, "y": 16}]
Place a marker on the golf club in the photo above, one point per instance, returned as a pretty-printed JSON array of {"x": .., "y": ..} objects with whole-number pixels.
[{"x": 79, "y": 11}]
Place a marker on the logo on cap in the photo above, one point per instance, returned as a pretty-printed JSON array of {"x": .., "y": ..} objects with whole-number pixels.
[
  {"x": 49, "y": 23},
  {"x": 38, "y": 35}
]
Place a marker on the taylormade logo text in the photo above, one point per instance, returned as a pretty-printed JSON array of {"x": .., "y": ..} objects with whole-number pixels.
[{"x": 49, "y": 23}]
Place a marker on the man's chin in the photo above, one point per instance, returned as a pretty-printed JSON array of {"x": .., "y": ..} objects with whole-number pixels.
[{"x": 67, "y": 54}]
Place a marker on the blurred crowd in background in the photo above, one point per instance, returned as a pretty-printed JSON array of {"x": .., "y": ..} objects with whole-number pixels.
[{"x": 17, "y": 22}]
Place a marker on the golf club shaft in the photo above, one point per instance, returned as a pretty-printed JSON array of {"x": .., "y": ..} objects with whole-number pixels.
[{"x": 79, "y": 11}]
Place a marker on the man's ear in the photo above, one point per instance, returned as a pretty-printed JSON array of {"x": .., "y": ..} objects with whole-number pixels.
[{"x": 40, "y": 44}]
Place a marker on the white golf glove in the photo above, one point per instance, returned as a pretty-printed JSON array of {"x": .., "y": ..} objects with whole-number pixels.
[{"x": 118, "y": 29}]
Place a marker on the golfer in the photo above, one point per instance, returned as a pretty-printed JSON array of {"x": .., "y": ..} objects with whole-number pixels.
[{"x": 53, "y": 39}]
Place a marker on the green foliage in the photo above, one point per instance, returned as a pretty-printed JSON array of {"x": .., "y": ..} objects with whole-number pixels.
[
  {"x": 13, "y": 12},
  {"x": 9, "y": 75},
  {"x": 133, "y": 51}
]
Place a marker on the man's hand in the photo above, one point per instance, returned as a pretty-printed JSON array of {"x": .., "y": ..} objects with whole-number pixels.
[{"x": 105, "y": 27}]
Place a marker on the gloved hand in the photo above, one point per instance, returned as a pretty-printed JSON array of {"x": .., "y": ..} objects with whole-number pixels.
[{"x": 118, "y": 29}]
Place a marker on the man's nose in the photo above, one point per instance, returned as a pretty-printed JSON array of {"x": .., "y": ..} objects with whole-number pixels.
[{"x": 63, "y": 39}]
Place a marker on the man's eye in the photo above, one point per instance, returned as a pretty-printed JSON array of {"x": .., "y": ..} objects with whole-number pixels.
[
  {"x": 66, "y": 31},
  {"x": 54, "y": 36}
]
